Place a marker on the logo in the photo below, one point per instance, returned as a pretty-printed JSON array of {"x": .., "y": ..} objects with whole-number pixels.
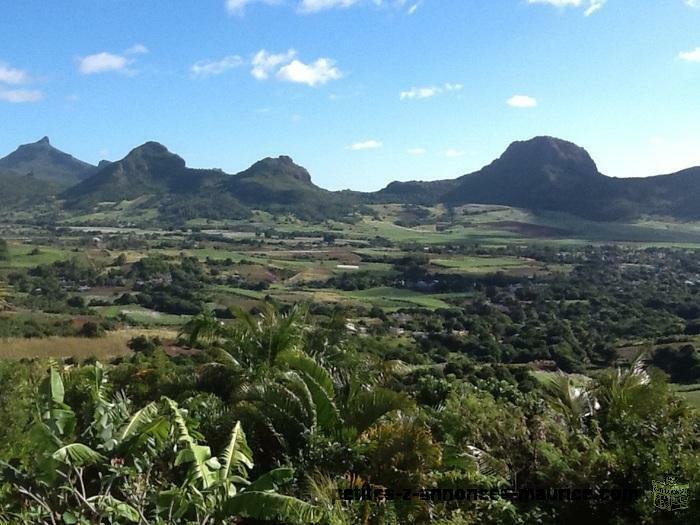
[{"x": 669, "y": 495}]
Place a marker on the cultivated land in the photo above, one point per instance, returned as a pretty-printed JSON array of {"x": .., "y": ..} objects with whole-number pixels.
[{"x": 398, "y": 261}]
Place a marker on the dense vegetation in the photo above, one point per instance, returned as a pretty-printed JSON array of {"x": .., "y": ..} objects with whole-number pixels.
[
  {"x": 433, "y": 354},
  {"x": 320, "y": 413}
]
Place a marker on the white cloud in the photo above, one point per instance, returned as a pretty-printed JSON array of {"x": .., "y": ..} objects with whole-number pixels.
[
  {"x": 237, "y": 7},
  {"x": 314, "y": 6},
  {"x": 136, "y": 49},
  {"x": 10, "y": 75},
  {"x": 590, "y": 6},
  {"x": 367, "y": 144},
  {"x": 287, "y": 68},
  {"x": 690, "y": 56},
  {"x": 429, "y": 91},
  {"x": 106, "y": 62},
  {"x": 318, "y": 72},
  {"x": 18, "y": 96},
  {"x": 453, "y": 153},
  {"x": 521, "y": 101},
  {"x": 413, "y": 8},
  {"x": 424, "y": 92},
  {"x": 264, "y": 63},
  {"x": 416, "y": 151},
  {"x": 692, "y": 3},
  {"x": 206, "y": 68},
  {"x": 594, "y": 6},
  {"x": 102, "y": 63}
]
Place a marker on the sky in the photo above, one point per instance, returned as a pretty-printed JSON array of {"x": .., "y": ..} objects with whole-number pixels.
[{"x": 360, "y": 92}]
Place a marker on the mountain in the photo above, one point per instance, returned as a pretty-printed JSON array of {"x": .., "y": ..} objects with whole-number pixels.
[
  {"x": 279, "y": 185},
  {"x": 546, "y": 173},
  {"x": 543, "y": 173},
  {"x": 46, "y": 163},
  {"x": 414, "y": 192},
  {"x": 149, "y": 170},
  {"x": 159, "y": 178},
  {"x": 676, "y": 194}
]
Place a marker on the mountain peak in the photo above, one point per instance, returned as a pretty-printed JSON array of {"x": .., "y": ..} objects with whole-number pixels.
[
  {"x": 150, "y": 154},
  {"x": 46, "y": 163},
  {"x": 279, "y": 166},
  {"x": 550, "y": 151},
  {"x": 151, "y": 147}
]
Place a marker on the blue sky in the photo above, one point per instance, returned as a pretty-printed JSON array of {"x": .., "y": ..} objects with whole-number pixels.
[{"x": 361, "y": 92}]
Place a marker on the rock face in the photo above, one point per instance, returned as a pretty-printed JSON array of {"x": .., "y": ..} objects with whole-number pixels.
[{"x": 47, "y": 163}]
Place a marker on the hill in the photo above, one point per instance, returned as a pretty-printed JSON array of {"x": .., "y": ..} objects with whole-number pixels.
[
  {"x": 46, "y": 163},
  {"x": 279, "y": 185}
]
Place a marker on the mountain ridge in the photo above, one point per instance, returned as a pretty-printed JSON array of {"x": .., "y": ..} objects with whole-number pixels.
[{"x": 543, "y": 173}]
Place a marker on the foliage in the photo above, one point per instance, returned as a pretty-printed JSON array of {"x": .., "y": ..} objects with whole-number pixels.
[{"x": 141, "y": 466}]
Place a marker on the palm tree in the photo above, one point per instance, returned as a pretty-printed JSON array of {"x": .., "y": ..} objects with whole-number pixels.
[
  {"x": 574, "y": 403},
  {"x": 621, "y": 389}
]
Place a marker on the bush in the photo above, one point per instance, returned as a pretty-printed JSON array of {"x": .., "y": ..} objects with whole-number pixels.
[
  {"x": 145, "y": 345},
  {"x": 91, "y": 330}
]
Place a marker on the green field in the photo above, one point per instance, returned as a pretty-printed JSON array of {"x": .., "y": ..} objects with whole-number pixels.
[
  {"x": 690, "y": 392},
  {"x": 142, "y": 316}
]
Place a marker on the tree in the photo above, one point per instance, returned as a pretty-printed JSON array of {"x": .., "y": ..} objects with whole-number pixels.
[{"x": 4, "y": 250}]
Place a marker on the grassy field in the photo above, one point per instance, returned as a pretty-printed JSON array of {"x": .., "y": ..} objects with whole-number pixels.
[
  {"x": 30, "y": 255},
  {"x": 113, "y": 344},
  {"x": 483, "y": 265},
  {"x": 140, "y": 315},
  {"x": 393, "y": 298},
  {"x": 690, "y": 392}
]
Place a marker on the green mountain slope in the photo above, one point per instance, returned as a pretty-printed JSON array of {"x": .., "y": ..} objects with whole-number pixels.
[
  {"x": 547, "y": 173},
  {"x": 46, "y": 163},
  {"x": 148, "y": 170},
  {"x": 281, "y": 186},
  {"x": 24, "y": 191},
  {"x": 541, "y": 174}
]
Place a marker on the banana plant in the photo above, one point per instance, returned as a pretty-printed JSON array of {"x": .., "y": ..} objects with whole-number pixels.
[{"x": 144, "y": 466}]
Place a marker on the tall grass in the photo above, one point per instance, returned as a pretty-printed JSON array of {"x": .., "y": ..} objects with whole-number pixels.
[{"x": 113, "y": 344}]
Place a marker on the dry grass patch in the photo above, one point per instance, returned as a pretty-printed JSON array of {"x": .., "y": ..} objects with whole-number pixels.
[{"x": 114, "y": 344}]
